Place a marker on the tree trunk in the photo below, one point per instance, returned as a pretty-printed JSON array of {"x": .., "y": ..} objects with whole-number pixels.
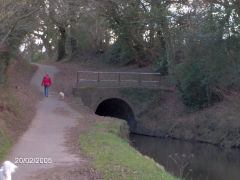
[
  {"x": 4, "y": 63},
  {"x": 61, "y": 44},
  {"x": 73, "y": 45},
  {"x": 72, "y": 13}
]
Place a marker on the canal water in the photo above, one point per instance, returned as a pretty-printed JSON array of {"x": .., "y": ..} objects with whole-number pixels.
[{"x": 191, "y": 161}]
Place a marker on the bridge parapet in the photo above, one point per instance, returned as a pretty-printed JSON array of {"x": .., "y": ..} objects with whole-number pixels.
[{"x": 115, "y": 79}]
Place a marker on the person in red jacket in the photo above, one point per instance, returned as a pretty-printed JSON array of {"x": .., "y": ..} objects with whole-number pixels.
[{"x": 46, "y": 82}]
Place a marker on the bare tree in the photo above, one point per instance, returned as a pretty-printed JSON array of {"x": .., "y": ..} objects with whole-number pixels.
[{"x": 16, "y": 20}]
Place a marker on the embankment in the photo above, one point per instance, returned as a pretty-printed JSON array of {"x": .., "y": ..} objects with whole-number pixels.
[
  {"x": 114, "y": 158},
  {"x": 17, "y": 101},
  {"x": 162, "y": 114}
]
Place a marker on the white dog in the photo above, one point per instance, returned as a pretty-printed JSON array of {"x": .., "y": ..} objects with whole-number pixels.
[
  {"x": 6, "y": 170},
  {"x": 61, "y": 94}
]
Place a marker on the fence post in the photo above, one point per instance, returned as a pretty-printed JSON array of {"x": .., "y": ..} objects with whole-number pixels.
[
  {"x": 98, "y": 77},
  {"x": 139, "y": 79},
  {"x": 159, "y": 79},
  {"x": 119, "y": 78},
  {"x": 77, "y": 80}
]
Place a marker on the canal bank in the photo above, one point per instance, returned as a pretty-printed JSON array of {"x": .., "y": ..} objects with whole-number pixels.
[
  {"x": 114, "y": 157},
  {"x": 162, "y": 114}
]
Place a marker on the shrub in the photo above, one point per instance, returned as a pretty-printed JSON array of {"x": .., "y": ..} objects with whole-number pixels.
[
  {"x": 161, "y": 66},
  {"x": 211, "y": 63},
  {"x": 38, "y": 57},
  {"x": 194, "y": 84},
  {"x": 119, "y": 53}
]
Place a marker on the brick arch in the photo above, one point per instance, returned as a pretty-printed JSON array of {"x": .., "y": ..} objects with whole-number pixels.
[{"x": 119, "y": 108}]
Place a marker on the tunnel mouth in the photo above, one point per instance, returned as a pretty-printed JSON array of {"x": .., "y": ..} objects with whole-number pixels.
[{"x": 117, "y": 108}]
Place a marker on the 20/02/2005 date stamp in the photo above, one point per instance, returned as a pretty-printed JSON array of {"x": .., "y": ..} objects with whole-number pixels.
[{"x": 19, "y": 160}]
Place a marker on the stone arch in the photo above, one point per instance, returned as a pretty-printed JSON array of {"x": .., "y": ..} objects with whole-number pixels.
[{"x": 116, "y": 107}]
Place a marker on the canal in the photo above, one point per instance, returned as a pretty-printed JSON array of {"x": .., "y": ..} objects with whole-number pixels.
[{"x": 191, "y": 161}]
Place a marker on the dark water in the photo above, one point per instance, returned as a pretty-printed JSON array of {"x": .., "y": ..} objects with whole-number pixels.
[{"x": 191, "y": 161}]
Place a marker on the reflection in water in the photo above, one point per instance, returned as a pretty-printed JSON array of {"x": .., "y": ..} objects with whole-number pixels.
[{"x": 196, "y": 161}]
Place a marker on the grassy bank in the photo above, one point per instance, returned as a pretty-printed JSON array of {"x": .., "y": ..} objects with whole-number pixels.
[
  {"x": 5, "y": 143},
  {"x": 114, "y": 158},
  {"x": 9, "y": 110}
]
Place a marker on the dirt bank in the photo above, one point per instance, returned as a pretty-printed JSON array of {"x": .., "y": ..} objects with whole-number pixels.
[
  {"x": 20, "y": 74},
  {"x": 17, "y": 101}
]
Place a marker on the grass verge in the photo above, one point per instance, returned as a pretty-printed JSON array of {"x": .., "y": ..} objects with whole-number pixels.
[
  {"x": 10, "y": 110},
  {"x": 114, "y": 158},
  {"x": 5, "y": 144}
]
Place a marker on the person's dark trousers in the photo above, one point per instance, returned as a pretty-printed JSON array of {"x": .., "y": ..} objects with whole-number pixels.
[{"x": 46, "y": 89}]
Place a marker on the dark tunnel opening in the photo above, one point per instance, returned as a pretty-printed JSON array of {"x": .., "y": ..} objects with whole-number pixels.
[{"x": 119, "y": 109}]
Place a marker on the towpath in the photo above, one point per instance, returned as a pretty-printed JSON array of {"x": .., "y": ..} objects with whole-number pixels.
[{"x": 46, "y": 138}]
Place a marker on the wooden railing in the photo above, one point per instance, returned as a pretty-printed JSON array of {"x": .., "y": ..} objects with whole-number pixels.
[{"x": 132, "y": 78}]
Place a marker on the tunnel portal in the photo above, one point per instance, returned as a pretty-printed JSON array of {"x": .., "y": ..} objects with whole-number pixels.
[{"x": 117, "y": 108}]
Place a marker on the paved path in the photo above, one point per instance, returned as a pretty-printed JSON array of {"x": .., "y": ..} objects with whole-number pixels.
[{"x": 45, "y": 137}]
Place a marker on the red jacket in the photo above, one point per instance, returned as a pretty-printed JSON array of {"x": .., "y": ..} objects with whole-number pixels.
[{"x": 46, "y": 81}]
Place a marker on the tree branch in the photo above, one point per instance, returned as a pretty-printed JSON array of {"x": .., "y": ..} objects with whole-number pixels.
[{"x": 15, "y": 24}]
